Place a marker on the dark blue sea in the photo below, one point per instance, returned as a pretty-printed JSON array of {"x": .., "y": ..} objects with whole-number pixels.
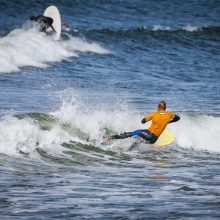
[{"x": 118, "y": 59}]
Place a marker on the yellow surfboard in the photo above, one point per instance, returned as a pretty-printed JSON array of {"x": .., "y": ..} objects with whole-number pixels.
[{"x": 166, "y": 138}]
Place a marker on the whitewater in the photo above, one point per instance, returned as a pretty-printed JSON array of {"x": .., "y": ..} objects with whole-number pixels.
[
  {"x": 18, "y": 47},
  {"x": 26, "y": 133}
]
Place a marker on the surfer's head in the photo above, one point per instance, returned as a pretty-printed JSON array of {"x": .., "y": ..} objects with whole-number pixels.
[
  {"x": 65, "y": 25},
  {"x": 162, "y": 106}
]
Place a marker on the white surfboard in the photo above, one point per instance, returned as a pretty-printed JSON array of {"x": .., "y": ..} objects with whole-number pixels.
[{"x": 53, "y": 12}]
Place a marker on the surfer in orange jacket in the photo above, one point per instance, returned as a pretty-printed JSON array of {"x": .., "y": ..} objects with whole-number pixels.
[{"x": 160, "y": 120}]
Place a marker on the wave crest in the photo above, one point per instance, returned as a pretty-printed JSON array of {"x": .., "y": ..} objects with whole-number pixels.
[
  {"x": 29, "y": 47},
  {"x": 74, "y": 123},
  {"x": 156, "y": 28}
]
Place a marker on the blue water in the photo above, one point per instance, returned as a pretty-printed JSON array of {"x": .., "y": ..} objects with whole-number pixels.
[{"x": 117, "y": 61}]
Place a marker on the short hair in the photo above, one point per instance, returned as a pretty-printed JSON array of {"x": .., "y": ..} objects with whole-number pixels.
[{"x": 162, "y": 105}]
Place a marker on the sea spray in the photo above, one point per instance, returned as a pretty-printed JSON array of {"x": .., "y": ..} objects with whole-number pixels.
[
  {"x": 199, "y": 132},
  {"x": 25, "y": 135},
  {"x": 73, "y": 124},
  {"x": 29, "y": 47},
  {"x": 196, "y": 132}
]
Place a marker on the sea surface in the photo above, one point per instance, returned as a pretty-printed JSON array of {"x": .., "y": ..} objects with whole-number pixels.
[{"x": 118, "y": 59}]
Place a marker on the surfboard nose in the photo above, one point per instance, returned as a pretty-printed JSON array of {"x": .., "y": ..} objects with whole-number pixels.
[{"x": 53, "y": 12}]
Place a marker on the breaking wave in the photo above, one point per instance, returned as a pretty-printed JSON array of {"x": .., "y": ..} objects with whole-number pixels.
[
  {"x": 71, "y": 124},
  {"x": 154, "y": 30},
  {"x": 28, "y": 47}
]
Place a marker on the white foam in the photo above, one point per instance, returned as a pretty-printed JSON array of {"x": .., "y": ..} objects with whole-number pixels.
[
  {"x": 93, "y": 122},
  {"x": 24, "y": 136},
  {"x": 190, "y": 28},
  {"x": 29, "y": 47},
  {"x": 161, "y": 28},
  {"x": 17, "y": 135},
  {"x": 197, "y": 132}
]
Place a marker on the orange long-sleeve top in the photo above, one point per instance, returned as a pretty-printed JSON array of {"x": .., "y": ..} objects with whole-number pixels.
[{"x": 159, "y": 120}]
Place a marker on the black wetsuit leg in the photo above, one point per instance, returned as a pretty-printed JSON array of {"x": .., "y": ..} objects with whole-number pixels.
[
  {"x": 121, "y": 136},
  {"x": 149, "y": 137},
  {"x": 47, "y": 22}
]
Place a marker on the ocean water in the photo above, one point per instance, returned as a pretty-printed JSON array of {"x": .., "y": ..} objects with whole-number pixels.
[{"x": 117, "y": 61}]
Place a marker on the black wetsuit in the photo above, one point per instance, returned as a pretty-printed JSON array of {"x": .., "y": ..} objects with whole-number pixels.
[
  {"x": 148, "y": 137},
  {"x": 45, "y": 22}
]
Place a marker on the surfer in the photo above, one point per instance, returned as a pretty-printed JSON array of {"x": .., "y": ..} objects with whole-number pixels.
[
  {"x": 160, "y": 120},
  {"x": 66, "y": 27},
  {"x": 44, "y": 21}
]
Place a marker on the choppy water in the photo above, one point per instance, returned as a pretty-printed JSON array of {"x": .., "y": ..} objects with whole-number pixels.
[{"x": 119, "y": 59}]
